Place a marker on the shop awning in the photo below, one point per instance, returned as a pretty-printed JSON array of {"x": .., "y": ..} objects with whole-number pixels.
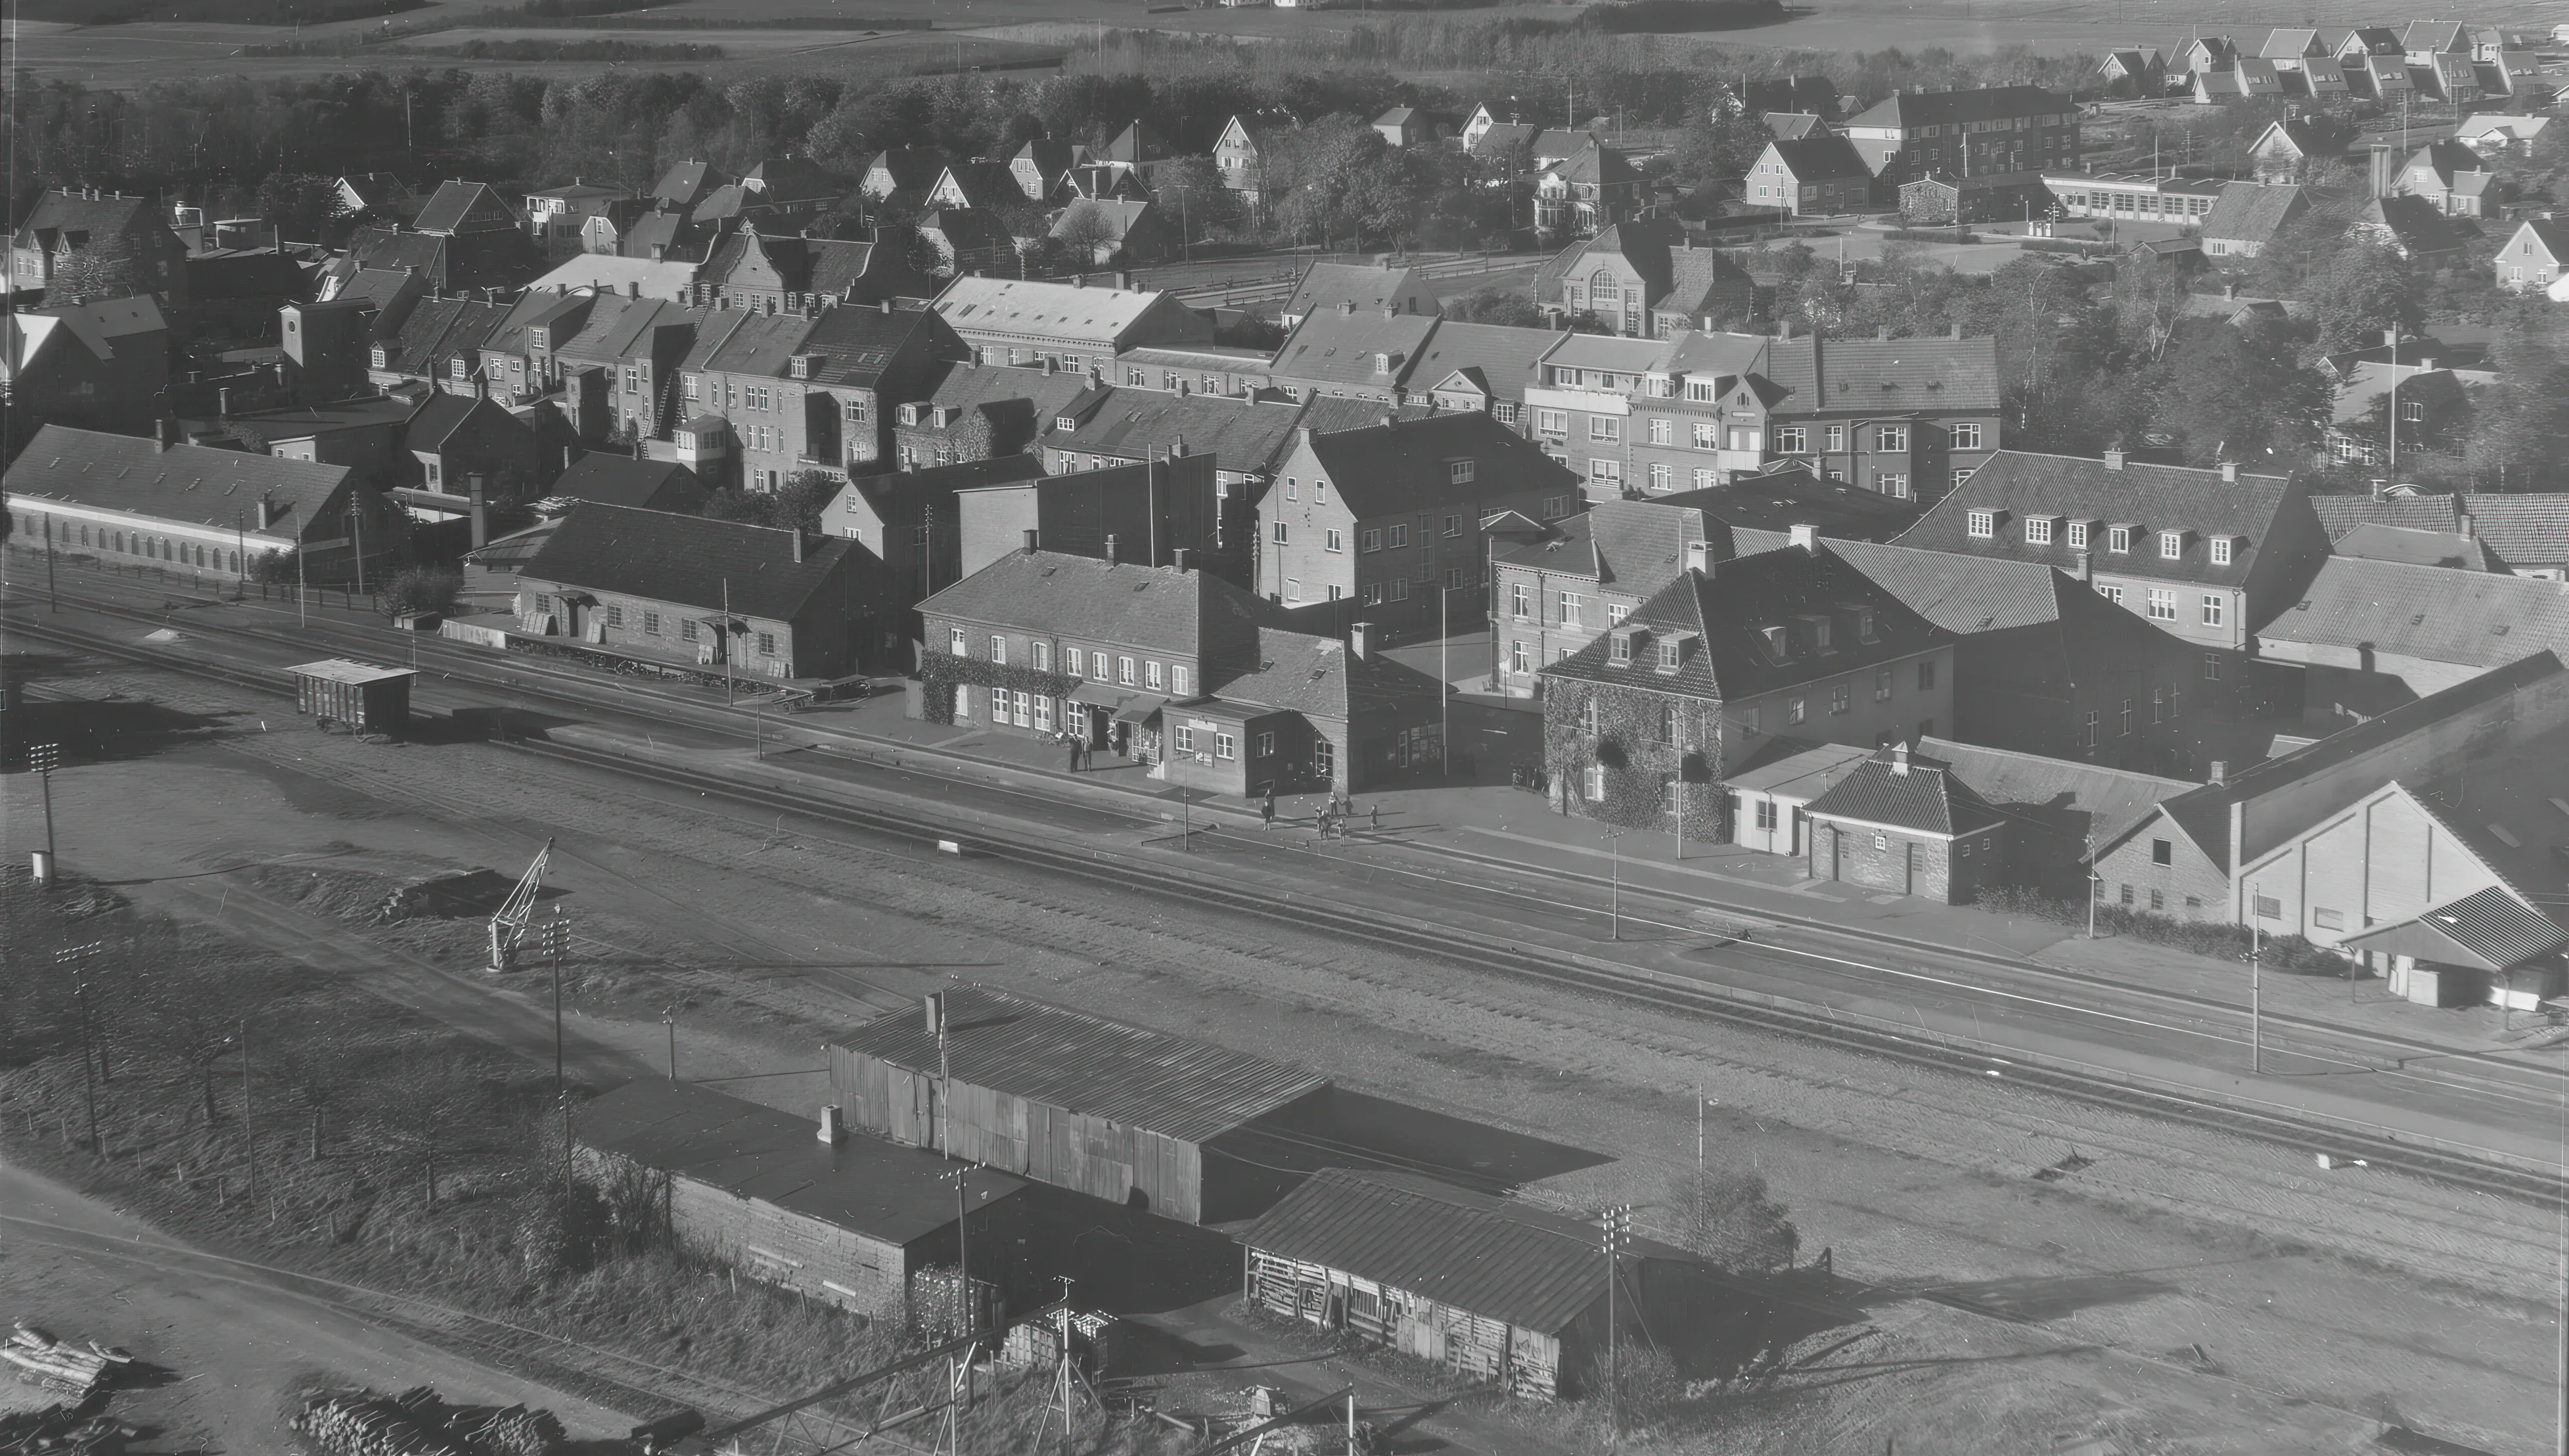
[
  {"x": 1141, "y": 709},
  {"x": 1099, "y": 695}
]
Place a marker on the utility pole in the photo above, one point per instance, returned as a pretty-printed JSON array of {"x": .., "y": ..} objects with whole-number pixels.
[
  {"x": 357, "y": 534},
  {"x": 669, "y": 1018},
  {"x": 1614, "y": 886},
  {"x": 249, "y": 1128},
  {"x": 70, "y": 959},
  {"x": 51, "y": 600},
  {"x": 2392, "y": 418},
  {"x": 2096, "y": 887},
  {"x": 44, "y": 758},
  {"x": 555, "y": 935},
  {"x": 1444, "y": 683},
  {"x": 1618, "y": 1221},
  {"x": 2256, "y": 989},
  {"x": 722, "y": 635}
]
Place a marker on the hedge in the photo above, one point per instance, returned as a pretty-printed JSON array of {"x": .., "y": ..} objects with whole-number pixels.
[{"x": 2216, "y": 939}]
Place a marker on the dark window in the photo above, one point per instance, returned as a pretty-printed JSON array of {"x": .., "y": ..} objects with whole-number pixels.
[
  {"x": 2162, "y": 853},
  {"x": 2126, "y": 894}
]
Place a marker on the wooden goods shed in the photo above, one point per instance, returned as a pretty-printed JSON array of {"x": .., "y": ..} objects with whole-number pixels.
[
  {"x": 1096, "y": 1106},
  {"x": 1494, "y": 1289},
  {"x": 366, "y": 697},
  {"x": 856, "y": 1222}
]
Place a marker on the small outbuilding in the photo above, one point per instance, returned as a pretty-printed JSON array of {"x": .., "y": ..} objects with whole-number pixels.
[
  {"x": 1494, "y": 1289},
  {"x": 361, "y": 695},
  {"x": 1903, "y": 822},
  {"x": 1133, "y": 1116},
  {"x": 851, "y": 1220}
]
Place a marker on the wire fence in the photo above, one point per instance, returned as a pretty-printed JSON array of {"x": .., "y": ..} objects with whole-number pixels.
[{"x": 219, "y": 585}]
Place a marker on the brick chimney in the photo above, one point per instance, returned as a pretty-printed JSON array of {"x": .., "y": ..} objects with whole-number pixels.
[
  {"x": 1110, "y": 549},
  {"x": 2114, "y": 458},
  {"x": 1360, "y": 640},
  {"x": 1806, "y": 539},
  {"x": 1900, "y": 759},
  {"x": 797, "y": 534},
  {"x": 1032, "y": 537}
]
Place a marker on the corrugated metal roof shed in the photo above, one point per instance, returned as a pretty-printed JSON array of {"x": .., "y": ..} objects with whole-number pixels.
[
  {"x": 2489, "y": 931},
  {"x": 1492, "y": 1257},
  {"x": 1183, "y": 1089},
  {"x": 889, "y": 1192}
]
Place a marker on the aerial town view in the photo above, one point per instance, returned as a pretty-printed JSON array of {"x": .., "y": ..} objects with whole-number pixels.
[{"x": 1164, "y": 727}]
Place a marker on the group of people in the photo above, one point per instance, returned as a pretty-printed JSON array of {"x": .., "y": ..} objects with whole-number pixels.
[{"x": 1332, "y": 818}]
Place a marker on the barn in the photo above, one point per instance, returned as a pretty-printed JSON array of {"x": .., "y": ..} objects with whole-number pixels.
[
  {"x": 1133, "y": 1116},
  {"x": 1496, "y": 1290},
  {"x": 856, "y": 1221}
]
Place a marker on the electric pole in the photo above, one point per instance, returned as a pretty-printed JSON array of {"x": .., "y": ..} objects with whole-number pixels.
[
  {"x": 1614, "y": 886},
  {"x": 44, "y": 758},
  {"x": 70, "y": 959},
  {"x": 1618, "y": 1221},
  {"x": 552, "y": 940}
]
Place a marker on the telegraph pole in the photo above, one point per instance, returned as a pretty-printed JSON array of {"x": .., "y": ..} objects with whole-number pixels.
[
  {"x": 669, "y": 1018},
  {"x": 554, "y": 935},
  {"x": 1614, "y": 886},
  {"x": 70, "y": 959},
  {"x": 2256, "y": 989},
  {"x": 44, "y": 758},
  {"x": 1618, "y": 1221},
  {"x": 357, "y": 541}
]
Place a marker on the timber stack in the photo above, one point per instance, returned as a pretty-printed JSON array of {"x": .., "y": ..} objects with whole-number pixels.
[{"x": 35, "y": 1356}]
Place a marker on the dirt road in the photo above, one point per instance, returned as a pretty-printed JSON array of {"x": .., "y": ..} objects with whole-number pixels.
[{"x": 237, "y": 1348}]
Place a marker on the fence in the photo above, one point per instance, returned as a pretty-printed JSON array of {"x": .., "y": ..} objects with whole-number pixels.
[{"x": 218, "y": 585}]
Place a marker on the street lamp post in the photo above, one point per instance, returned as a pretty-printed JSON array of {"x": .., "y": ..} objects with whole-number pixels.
[
  {"x": 1614, "y": 886},
  {"x": 2256, "y": 987},
  {"x": 52, "y": 600}
]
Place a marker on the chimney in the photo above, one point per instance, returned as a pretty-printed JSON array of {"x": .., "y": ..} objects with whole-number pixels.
[
  {"x": 1347, "y": 306},
  {"x": 830, "y": 1130},
  {"x": 2470, "y": 527},
  {"x": 1900, "y": 759},
  {"x": 1957, "y": 331},
  {"x": 1806, "y": 539},
  {"x": 797, "y": 534},
  {"x": 659, "y": 253},
  {"x": 1388, "y": 420},
  {"x": 1079, "y": 281},
  {"x": 1110, "y": 549},
  {"x": 2114, "y": 458},
  {"x": 410, "y": 269},
  {"x": 2086, "y": 563},
  {"x": 476, "y": 485},
  {"x": 1882, "y": 333},
  {"x": 2230, "y": 472},
  {"x": 1391, "y": 310},
  {"x": 1177, "y": 445},
  {"x": 2220, "y": 771},
  {"x": 1048, "y": 364},
  {"x": 223, "y": 404},
  {"x": 166, "y": 430},
  {"x": 632, "y": 287},
  {"x": 1124, "y": 280},
  {"x": 1700, "y": 558},
  {"x": 1784, "y": 329},
  {"x": 1361, "y": 642},
  {"x": 1182, "y": 558}
]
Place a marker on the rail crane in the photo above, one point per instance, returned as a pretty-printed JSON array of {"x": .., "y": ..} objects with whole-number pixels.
[{"x": 509, "y": 927}]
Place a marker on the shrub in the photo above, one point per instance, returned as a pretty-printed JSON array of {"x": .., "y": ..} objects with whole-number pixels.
[
  {"x": 2217, "y": 938},
  {"x": 422, "y": 588},
  {"x": 1730, "y": 1219}
]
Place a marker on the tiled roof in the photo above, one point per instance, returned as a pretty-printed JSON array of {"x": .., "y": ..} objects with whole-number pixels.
[
  {"x": 1795, "y": 125},
  {"x": 1505, "y": 354},
  {"x": 1819, "y": 158},
  {"x": 1370, "y": 288},
  {"x": 879, "y": 1188},
  {"x": 1780, "y": 499},
  {"x": 1726, "y": 611},
  {"x": 1885, "y": 376},
  {"x": 609, "y": 274},
  {"x": 1142, "y": 424},
  {"x": 621, "y": 480},
  {"x": 785, "y": 181},
  {"x": 2530, "y": 531},
  {"x": 1601, "y": 165},
  {"x": 617, "y": 325},
  {"x": 1157, "y": 609},
  {"x": 1047, "y": 393},
  {"x": 2340, "y": 513},
  {"x": 1496, "y": 1258},
  {"x": 1301, "y": 674},
  {"x": 858, "y": 343},
  {"x": 676, "y": 236},
  {"x": 688, "y": 559},
  {"x": 2477, "y": 619},
  {"x": 686, "y": 183},
  {"x": 2377, "y": 543},
  {"x": 2552, "y": 233},
  {"x": 910, "y": 166},
  {"x": 1178, "y": 1087},
  {"x": 439, "y": 328},
  {"x": 101, "y": 216},
  {"x": 456, "y": 204},
  {"x": 1961, "y": 595},
  {"x": 1120, "y": 214},
  {"x": 1499, "y": 137},
  {"x": 759, "y": 346},
  {"x": 2251, "y": 211},
  {"x": 2154, "y": 497},
  {"x": 1329, "y": 414},
  {"x": 114, "y": 318},
  {"x": 2413, "y": 221},
  {"x": 1983, "y": 104},
  {"x": 2069, "y": 795},
  {"x": 1564, "y": 141},
  {"x": 1336, "y": 347},
  {"x": 1904, "y": 790},
  {"x": 190, "y": 483},
  {"x": 1404, "y": 466},
  {"x": 1012, "y": 305},
  {"x": 538, "y": 311},
  {"x": 984, "y": 183},
  {"x": 1696, "y": 275}
]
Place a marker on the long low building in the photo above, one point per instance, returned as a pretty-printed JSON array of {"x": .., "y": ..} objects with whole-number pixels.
[
  {"x": 853, "y": 1221},
  {"x": 129, "y": 499},
  {"x": 1129, "y": 1115},
  {"x": 2134, "y": 197}
]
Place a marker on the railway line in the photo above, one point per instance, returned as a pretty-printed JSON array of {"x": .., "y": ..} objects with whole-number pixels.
[{"x": 1484, "y": 953}]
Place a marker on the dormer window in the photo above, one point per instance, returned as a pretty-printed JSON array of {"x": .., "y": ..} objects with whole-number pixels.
[
  {"x": 1703, "y": 391},
  {"x": 1980, "y": 525},
  {"x": 1064, "y": 423},
  {"x": 1672, "y": 651},
  {"x": 1458, "y": 472},
  {"x": 2038, "y": 531},
  {"x": 1619, "y": 649},
  {"x": 381, "y": 356},
  {"x": 1863, "y": 622},
  {"x": 1383, "y": 363},
  {"x": 2079, "y": 534},
  {"x": 1662, "y": 386},
  {"x": 943, "y": 416},
  {"x": 1819, "y": 624},
  {"x": 2222, "y": 546},
  {"x": 2118, "y": 539},
  {"x": 1779, "y": 642},
  {"x": 2171, "y": 545},
  {"x": 909, "y": 414}
]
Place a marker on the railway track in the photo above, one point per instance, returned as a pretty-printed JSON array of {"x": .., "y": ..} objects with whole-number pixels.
[{"x": 1493, "y": 953}]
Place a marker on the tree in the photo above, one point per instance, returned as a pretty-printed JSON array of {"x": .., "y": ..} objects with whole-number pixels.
[
  {"x": 1191, "y": 195},
  {"x": 795, "y": 504},
  {"x": 1730, "y": 1219},
  {"x": 2368, "y": 291},
  {"x": 2241, "y": 393},
  {"x": 1490, "y": 305},
  {"x": 422, "y": 588},
  {"x": 2519, "y": 435},
  {"x": 1086, "y": 233}
]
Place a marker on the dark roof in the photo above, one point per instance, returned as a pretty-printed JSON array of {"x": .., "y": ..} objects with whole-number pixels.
[
  {"x": 1334, "y": 346},
  {"x": 1636, "y": 547},
  {"x": 441, "y": 415},
  {"x": 1137, "y": 143},
  {"x": 1903, "y": 790},
  {"x": 2154, "y": 497},
  {"x": 686, "y": 183},
  {"x": 2068, "y": 796},
  {"x": 858, "y": 343},
  {"x": 2377, "y": 543},
  {"x": 2528, "y": 530},
  {"x": 786, "y": 181},
  {"x": 910, "y": 166},
  {"x": 1156, "y": 607},
  {"x": 1369, "y": 288},
  {"x": 439, "y": 328},
  {"x": 985, "y": 182},
  {"x": 1783, "y": 499},
  {"x": 2204, "y": 814},
  {"x": 532, "y": 310},
  {"x": 674, "y": 233},
  {"x": 1241, "y": 433},
  {"x": 893, "y": 1194},
  {"x": 759, "y": 344},
  {"x": 616, "y": 326},
  {"x": 2415, "y": 221},
  {"x": 688, "y": 560},
  {"x": 455, "y": 203},
  {"x": 1190, "y": 1090},
  {"x": 1402, "y": 467},
  {"x": 621, "y": 480},
  {"x": 1503, "y": 354},
  {"x": 1726, "y": 609},
  {"x": 58, "y": 213},
  {"x": 191, "y": 483},
  {"x": 1964, "y": 595},
  {"x": 1602, "y": 166},
  {"x": 1302, "y": 673},
  {"x": 1981, "y": 104},
  {"x": 2251, "y": 212},
  {"x": 1819, "y": 158},
  {"x": 2552, "y": 234},
  {"x": 2477, "y": 619},
  {"x": 1047, "y": 393},
  {"x": 1885, "y": 376},
  {"x": 1502, "y": 1260}
]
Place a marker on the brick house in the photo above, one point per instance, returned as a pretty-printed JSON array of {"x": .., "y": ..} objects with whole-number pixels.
[
  {"x": 2208, "y": 557},
  {"x": 618, "y": 371},
  {"x": 105, "y": 362},
  {"x": 803, "y": 393},
  {"x": 1358, "y": 353},
  {"x": 911, "y": 519},
  {"x": 978, "y": 411},
  {"x": 456, "y": 437},
  {"x": 1592, "y": 187},
  {"x": 1904, "y": 823},
  {"x": 441, "y": 343},
  {"x": 1368, "y": 289},
  {"x": 1642, "y": 725},
  {"x": 86, "y": 244},
  {"x": 1245, "y": 437},
  {"x": 1554, "y": 594},
  {"x": 1992, "y": 128},
  {"x": 1813, "y": 176},
  {"x": 782, "y": 272},
  {"x": 684, "y": 590},
  {"x": 1172, "y": 667},
  {"x": 1646, "y": 279},
  {"x": 1384, "y": 524}
]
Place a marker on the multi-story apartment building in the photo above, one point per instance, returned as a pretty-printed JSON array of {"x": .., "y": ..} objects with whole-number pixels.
[
  {"x": 1994, "y": 128},
  {"x": 1552, "y": 594},
  {"x": 1375, "y": 524},
  {"x": 616, "y": 371},
  {"x": 805, "y": 393},
  {"x": 2206, "y": 555},
  {"x": 1583, "y": 402}
]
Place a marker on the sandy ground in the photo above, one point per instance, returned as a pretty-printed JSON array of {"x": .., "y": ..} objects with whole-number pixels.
[
  {"x": 2322, "y": 1306},
  {"x": 237, "y": 1349}
]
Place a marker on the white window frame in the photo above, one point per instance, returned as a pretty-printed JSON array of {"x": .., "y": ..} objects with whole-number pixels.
[
  {"x": 1980, "y": 525},
  {"x": 2214, "y": 609},
  {"x": 2038, "y": 531},
  {"x": 2162, "y": 605}
]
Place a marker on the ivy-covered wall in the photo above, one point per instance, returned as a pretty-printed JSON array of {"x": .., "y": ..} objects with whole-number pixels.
[
  {"x": 942, "y": 672},
  {"x": 1624, "y": 737}
]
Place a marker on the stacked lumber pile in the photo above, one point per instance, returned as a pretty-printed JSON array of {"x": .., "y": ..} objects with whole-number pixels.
[
  {"x": 35, "y": 1356},
  {"x": 417, "y": 1423},
  {"x": 62, "y": 1432}
]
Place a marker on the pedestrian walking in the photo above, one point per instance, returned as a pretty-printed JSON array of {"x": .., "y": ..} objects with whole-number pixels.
[
  {"x": 1267, "y": 810},
  {"x": 1078, "y": 750},
  {"x": 1376, "y": 824}
]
